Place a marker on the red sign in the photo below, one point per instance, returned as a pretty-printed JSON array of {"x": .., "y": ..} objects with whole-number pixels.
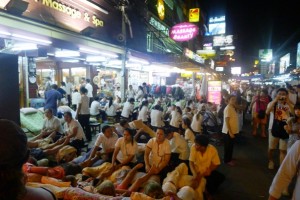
[{"x": 184, "y": 32}]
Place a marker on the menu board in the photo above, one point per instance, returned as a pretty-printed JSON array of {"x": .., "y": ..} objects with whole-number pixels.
[{"x": 214, "y": 91}]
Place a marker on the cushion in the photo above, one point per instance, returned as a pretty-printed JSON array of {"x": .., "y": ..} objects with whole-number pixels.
[
  {"x": 59, "y": 192},
  {"x": 42, "y": 110},
  {"x": 64, "y": 109},
  {"x": 138, "y": 124},
  {"x": 79, "y": 194},
  {"x": 139, "y": 196},
  {"x": 28, "y": 110}
]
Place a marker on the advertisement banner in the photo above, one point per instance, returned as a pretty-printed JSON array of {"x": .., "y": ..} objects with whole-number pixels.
[
  {"x": 194, "y": 15},
  {"x": 184, "y": 32},
  {"x": 214, "y": 91}
]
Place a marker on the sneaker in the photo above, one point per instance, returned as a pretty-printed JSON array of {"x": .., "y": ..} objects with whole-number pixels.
[{"x": 271, "y": 165}]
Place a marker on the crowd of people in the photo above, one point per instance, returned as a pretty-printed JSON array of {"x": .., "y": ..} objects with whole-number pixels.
[{"x": 159, "y": 147}]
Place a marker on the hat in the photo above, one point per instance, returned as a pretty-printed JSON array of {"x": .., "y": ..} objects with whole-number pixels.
[{"x": 13, "y": 144}]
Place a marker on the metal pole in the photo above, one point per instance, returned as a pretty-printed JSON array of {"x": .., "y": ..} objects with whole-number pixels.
[{"x": 123, "y": 70}]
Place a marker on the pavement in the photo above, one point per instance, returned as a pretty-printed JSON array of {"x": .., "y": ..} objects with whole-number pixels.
[{"x": 250, "y": 178}]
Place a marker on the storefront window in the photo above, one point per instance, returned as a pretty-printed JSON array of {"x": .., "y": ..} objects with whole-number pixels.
[{"x": 77, "y": 74}]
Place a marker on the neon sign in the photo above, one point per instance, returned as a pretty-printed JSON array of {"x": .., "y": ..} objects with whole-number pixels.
[{"x": 184, "y": 32}]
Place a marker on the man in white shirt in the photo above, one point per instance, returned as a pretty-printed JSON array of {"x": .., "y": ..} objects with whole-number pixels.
[
  {"x": 130, "y": 93},
  {"x": 75, "y": 99},
  {"x": 128, "y": 109},
  {"x": 179, "y": 147},
  {"x": 118, "y": 93},
  {"x": 89, "y": 87},
  {"x": 103, "y": 148},
  {"x": 95, "y": 107},
  {"x": 69, "y": 88},
  {"x": 74, "y": 132}
]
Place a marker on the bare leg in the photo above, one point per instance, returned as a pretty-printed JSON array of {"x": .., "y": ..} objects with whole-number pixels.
[
  {"x": 137, "y": 184},
  {"x": 263, "y": 130},
  {"x": 130, "y": 175},
  {"x": 32, "y": 144},
  {"x": 282, "y": 155},
  {"x": 270, "y": 154},
  {"x": 254, "y": 126},
  {"x": 56, "y": 148}
]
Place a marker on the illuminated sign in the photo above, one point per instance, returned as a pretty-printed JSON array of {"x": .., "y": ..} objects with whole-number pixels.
[
  {"x": 207, "y": 53},
  {"x": 74, "y": 13},
  {"x": 265, "y": 55},
  {"x": 284, "y": 63},
  {"x": 216, "y": 26},
  {"x": 219, "y": 69},
  {"x": 159, "y": 26},
  {"x": 223, "y": 40},
  {"x": 194, "y": 15},
  {"x": 236, "y": 70},
  {"x": 214, "y": 91},
  {"x": 191, "y": 55},
  {"x": 184, "y": 32},
  {"x": 161, "y": 9}
]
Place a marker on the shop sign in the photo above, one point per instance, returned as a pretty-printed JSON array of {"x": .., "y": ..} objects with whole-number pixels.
[
  {"x": 161, "y": 9},
  {"x": 214, "y": 91},
  {"x": 191, "y": 55},
  {"x": 194, "y": 15},
  {"x": 73, "y": 12},
  {"x": 265, "y": 55},
  {"x": 184, "y": 32},
  {"x": 219, "y": 41},
  {"x": 159, "y": 26}
]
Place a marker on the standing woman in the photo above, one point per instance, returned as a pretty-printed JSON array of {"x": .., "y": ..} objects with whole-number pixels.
[
  {"x": 143, "y": 112},
  {"x": 230, "y": 129},
  {"x": 197, "y": 120},
  {"x": 125, "y": 150},
  {"x": 176, "y": 118},
  {"x": 83, "y": 113},
  {"x": 189, "y": 135}
]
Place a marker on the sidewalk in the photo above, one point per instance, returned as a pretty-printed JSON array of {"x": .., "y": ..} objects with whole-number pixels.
[{"x": 250, "y": 179}]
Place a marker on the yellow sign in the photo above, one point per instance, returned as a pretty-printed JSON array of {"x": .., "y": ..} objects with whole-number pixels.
[
  {"x": 194, "y": 15},
  {"x": 161, "y": 9}
]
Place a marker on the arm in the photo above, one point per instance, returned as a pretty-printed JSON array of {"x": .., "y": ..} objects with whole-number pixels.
[
  {"x": 116, "y": 151},
  {"x": 78, "y": 110},
  {"x": 229, "y": 128},
  {"x": 146, "y": 158},
  {"x": 94, "y": 151},
  {"x": 72, "y": 133},
  {"x": 271, "y": 105},
  {"x": 164, "y": 162}
]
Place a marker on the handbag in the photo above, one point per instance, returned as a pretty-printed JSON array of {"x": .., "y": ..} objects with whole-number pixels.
[{"x": 278, "y": 127}]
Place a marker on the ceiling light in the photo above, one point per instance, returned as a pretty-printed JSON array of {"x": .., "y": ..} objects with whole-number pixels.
[
  {"x": 4, "y": 33},
  {"x": 94, "y": 6},
  {"x": 95, "y": 59},
  {"x": 114, "y": 62},
  {"x": 138, "y": 60},
  {"x": 24, "y": 46},
  {"x": 67, "y": 53},
  {"x": 92, "y": 51},
  {"x": 32, "y": 39},
  {"x": 70, "y": 60}
]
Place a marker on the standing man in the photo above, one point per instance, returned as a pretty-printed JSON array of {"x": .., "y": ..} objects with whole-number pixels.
[
  {"x": 230, "y": 129},
  {"x": 89, "y": 88},
  {"x": 69, "y": 87},
  {"x": 130, "y": 93},
  {"x": 284, "y": 108},
  {"x": 53, "y": 98},
  {"x": 118, "y": 93},
  {"x": 48, "y": 83}
]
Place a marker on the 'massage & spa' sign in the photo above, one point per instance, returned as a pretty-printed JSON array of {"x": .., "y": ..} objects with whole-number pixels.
[{"x": 184, "y": 32}]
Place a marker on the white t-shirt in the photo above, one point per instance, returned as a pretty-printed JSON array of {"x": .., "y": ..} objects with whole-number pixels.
[
  {"x": 175, "y": 119},
  {"x": 282, "y": 112},
  {"x": 89, "y": 88},
  {"x": 189, "y": 136},
  {"x": 69, "y": 87},
  {"x": 106, "y": 143},
  {"x": 95, "y": 108},
  {"x": 126, "y": 150},
  {"x": 75, "y": 98},
  {"x": 158, "y": 151},
  {"x": 84, "y": 101},
  {"x": 127, "y": 109},
  {"x": 143, "y": 114},
  {"x": 196, "y": 125},
  {"x": 230, "y": 112},
  {"x": 118, "y": 93},
  {"x": 249, "y": 96},
  {"x": 130, "y": 94},
  {"x": 179, "y": 145},
  {"x": 68, "y": 127},
  {"x": 111, "y": 111},
  {"x": 157, "y": 118},
  {"x": 52, "y": 124},
  {"x": 293, "y": 97}
]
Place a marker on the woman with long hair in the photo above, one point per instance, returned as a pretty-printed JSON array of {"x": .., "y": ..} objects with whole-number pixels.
[
  {"x": 189, "y": 134},
  {"x": 144, "y": 111},
  {"x": 111, "y": 108},
  {"x": 197, "y": 120},
  {"x": 156, "y": 116}
]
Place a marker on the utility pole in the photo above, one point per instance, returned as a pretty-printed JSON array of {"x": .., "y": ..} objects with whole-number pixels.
[{"x": 124, "y": 55}]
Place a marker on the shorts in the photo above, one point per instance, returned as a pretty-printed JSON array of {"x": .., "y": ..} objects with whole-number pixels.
[
  {"x": 37, "y": 153},
  {"x": 273, "y": 142}
]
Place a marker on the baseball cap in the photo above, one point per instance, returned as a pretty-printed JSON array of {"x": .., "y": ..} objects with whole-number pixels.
[{"x": 13, "y": 144}]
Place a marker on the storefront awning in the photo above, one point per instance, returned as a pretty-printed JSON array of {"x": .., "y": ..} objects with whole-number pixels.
[{"x": 18, "y": 25}]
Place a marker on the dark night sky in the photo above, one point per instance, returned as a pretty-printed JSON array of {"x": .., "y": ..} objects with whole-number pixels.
[{"x": 259, "y": 24}]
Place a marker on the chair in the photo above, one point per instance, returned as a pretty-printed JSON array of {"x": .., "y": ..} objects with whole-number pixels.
[{"x": 95, "y": 126}]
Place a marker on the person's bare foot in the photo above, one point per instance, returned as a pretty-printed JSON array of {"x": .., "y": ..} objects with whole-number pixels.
[{"x": 138, "y": 166}]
